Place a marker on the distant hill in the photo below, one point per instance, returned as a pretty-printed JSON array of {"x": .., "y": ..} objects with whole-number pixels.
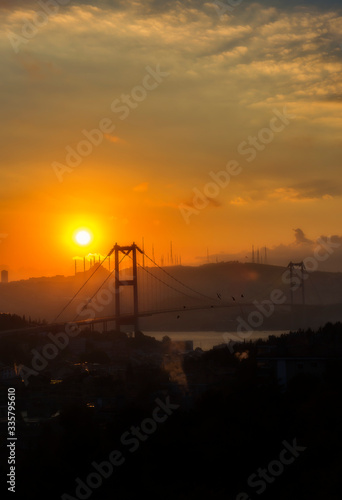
[{"x": 236, "y": 285}]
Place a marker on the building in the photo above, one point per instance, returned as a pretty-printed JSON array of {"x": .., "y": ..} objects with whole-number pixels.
[{"x": 4, "y": 276}]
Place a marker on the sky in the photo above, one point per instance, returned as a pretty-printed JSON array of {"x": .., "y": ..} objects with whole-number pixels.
[{"x": 214, "y": 125}]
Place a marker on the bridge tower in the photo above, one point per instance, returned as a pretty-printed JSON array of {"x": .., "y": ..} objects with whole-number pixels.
[
  {"x": 301, "y": 266},
  {"x": 134, "y": 319}
]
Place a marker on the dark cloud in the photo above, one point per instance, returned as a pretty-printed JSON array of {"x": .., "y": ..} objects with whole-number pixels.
[
  {"x": 325, "y": 4},
  {"x": 35, "y": 5},
  {"x": 281, "y": 255},
  {"x": 200, "y": 4},
  {"x": 300, "y": 237},
  {"x": 154, "y": 6},
  {"x": 317, "y": 189}
]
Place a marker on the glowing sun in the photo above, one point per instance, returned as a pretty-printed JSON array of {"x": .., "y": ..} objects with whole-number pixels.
[{"x": 83, "y": 237}]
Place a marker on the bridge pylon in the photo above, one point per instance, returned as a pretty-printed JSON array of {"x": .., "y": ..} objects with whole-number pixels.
[
  {"x": 126, "y": 250},
  {"x": 298, "y": 316},
  {"x": 301, "y": 266}
]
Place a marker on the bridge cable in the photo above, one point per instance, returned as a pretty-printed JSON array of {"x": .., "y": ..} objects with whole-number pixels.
[
  {"x": 97, "y": 291},
  {"x": 178, "y": 281},
  {"x": 84, "y": 284},
  {"x": 164, "y": 282}
]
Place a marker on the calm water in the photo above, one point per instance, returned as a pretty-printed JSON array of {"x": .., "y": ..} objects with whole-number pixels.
[{"x": 207, "y": 340}]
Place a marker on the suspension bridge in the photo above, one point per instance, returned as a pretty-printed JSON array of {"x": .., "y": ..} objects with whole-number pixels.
[{"x": 125, "y": 294}]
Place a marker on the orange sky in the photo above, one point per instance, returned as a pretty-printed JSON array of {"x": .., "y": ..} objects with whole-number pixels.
[{"x": 178, "y": 93}]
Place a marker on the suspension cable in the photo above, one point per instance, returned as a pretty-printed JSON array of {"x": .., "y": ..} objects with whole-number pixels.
[
  {"x": 97, "y": 291},
  {"x": 84, "y": 284},
  {"x": 180, "y": 282},
  {"x": 164, "y": 282}
]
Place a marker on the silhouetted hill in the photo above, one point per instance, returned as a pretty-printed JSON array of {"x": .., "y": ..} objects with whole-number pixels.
[
  {"x": 12, "y": 321},
  {"x": 232, "y": 284}
]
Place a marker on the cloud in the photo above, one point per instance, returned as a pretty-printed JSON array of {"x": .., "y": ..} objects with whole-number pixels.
[
  {"x": 316, "y": 189},
  {"x": 310, "y": 190},
  {"x": 299, "y": 192},
  {"x": 300, "y": 237},
  {"x": 304, "y": 248},
  {"x": 226, "y": 76},
  {"x": 239, "y": 201},
  {"x": 300, "y": 249}
]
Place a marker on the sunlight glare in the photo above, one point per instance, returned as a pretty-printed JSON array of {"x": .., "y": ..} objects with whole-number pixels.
[{"x": 83, "y": 237}]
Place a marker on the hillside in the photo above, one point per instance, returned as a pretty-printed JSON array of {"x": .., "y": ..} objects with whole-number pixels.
[{"x": 233, "y": 284}]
